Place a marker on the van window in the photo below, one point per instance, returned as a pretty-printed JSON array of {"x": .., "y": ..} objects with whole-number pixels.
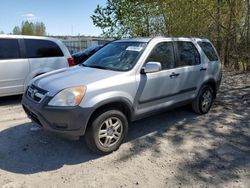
[
  {"x": 208, "y": 50},
  {"x": 9, "y": 49},
  {"x": 41, "y": 48},
  {"x": 164, "y": 54},
  {"x": 188, "y": 54}
]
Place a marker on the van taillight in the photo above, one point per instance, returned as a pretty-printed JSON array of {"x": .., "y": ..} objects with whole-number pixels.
[{"x": 71, "y": 62}]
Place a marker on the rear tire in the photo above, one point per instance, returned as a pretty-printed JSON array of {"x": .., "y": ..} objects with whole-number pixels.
[
  {"x": 204, "y": 100},
  {"x": 107, "y": 131}
]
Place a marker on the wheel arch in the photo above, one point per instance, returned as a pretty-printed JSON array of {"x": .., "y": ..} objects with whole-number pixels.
[
  {"x": 121, "y": 104},
  {"x": 212, "y": 84}
]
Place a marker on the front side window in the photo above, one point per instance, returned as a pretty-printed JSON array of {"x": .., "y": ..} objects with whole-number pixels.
[
  {"x": 188, "y": 54},
  {"x": 9, "y": 49},
  {"x": 164, "y": 54},
  {"x": 42, "y": 48},
  {"x": 208, "y": 50},
  {"x": 117, "y": 56}
]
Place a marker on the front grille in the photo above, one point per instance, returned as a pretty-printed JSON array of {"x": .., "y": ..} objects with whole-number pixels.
[{"x": 35, "y": 93}]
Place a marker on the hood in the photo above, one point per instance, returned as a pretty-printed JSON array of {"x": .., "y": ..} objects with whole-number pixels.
[{"x": 69, "y": 77}]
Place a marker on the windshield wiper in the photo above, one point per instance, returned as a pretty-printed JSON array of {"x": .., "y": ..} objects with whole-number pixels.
[
  {"x": 98, "y": 67},
  {"x": 94, "y": 66},
  {"x": 81, "y": 64}
]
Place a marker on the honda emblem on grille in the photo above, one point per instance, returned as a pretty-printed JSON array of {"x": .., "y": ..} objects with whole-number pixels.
[{"x": 33, "y": 93}]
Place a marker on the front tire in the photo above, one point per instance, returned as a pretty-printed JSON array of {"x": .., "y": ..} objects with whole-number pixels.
[
  {"x": 107, "y": 131},
  {"x": 204, "y": 100}
]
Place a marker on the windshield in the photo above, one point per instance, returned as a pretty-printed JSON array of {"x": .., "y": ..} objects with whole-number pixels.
[{"x": 118, "y": 56}]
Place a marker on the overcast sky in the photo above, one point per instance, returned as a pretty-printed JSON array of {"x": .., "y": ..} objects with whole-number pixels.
[{"x": 61, "y": 17}]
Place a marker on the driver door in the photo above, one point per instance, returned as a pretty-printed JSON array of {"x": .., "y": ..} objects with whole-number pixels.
[{"x": 159, "y": 87}]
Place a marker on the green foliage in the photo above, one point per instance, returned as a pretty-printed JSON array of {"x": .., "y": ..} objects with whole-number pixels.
[
  {"x": 225, "y": 22},
  {"x": 40, "y": 29},
  {"x": 30, "y": 28},
  {"x": 129, "y": 18}
]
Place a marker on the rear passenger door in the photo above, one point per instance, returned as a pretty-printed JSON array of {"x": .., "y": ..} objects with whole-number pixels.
[
  {"x": 189, "y": 68},
  {"x": 14, "y": 68},
  {"x": 211, "y": 60}
]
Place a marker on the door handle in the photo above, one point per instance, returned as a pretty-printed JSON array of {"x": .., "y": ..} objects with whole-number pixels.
[
  {"x": 203, "y": 69},
  {"x": 174, "y": 74}
]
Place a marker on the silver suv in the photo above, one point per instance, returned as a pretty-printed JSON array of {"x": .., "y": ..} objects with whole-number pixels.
[{"x": 125, "y": 81}]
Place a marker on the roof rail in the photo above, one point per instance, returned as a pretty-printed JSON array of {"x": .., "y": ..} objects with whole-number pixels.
[{"x": 180, "y": 36}]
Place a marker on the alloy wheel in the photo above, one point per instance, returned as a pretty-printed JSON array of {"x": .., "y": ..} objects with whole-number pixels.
[
  {"x": 110, "y": 132},
  {"x": 206, "y": 100}
]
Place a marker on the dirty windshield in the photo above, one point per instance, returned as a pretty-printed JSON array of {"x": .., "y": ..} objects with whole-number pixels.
[{"x": 117, "y": 56}]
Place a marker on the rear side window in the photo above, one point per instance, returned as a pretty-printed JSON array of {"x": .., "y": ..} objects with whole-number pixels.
[
  {"x": 208, "y": 50},
  {"x": 163, "y": 53},
  {"x": 188, "y": 54},
  {"x": 9, "y": 49},
  {"x": 41, "y": 48}
]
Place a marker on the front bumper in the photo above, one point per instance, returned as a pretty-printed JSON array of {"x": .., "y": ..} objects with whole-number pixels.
[{"x": 66, "y": 121}]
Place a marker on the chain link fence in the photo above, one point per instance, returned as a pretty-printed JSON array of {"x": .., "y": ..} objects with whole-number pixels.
[{"x": 77, "y": 44}]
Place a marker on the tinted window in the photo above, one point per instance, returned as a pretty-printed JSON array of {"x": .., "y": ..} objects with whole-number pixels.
[
  {"x": 188, "y": 54},
  {"x": 208, "y": 50},
  {"x": 9, "y": 49},
  {"x": 42, "y": 48},
  {"x": 163, "y": 53}
]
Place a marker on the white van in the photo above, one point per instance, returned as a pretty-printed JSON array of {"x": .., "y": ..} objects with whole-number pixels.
[{"x": 25, "y": 57}]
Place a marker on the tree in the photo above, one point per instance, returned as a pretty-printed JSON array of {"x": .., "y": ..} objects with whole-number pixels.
[
  {"x": 218, "y": 27},
  {"x": 107, "y": 18},
  {"x": 128, "y": 18},
  {"x": 225, "y": 22},
  {"x": 40, "y": 29},
  {"x": 30, "y": 28},
  {"x": 247, "y": 23},
  {"x": 17, "y": 30}
]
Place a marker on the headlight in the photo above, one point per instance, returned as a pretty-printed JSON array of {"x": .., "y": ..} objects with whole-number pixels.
[{"x": 68, "y": 97}]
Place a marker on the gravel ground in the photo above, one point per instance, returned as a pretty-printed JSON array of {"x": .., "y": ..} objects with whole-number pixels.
[{"x": 173, "y": 149}]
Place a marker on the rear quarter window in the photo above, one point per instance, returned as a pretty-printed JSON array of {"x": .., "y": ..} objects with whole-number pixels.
[
  {"x": 42, "y": 48},
  {"x": 209, "y": 51},
  {"x": 9, "y": 49}
]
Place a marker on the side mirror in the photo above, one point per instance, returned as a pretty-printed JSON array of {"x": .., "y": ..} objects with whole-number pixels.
[{"x": 150, "y": 67}]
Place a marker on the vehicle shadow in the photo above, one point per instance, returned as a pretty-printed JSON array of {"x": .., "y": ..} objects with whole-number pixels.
[
  {"x": 24, "y": 150},
  {"x": 10, "y": 100},
  {"x": 215, "y": 148},
  {"x": 227, "y": 159}
]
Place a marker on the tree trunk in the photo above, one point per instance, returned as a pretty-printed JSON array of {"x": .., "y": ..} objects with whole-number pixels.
[
  {"x": 231, "y": 6},
  {"x": 248, "y": 36},
  {"x": 147, "y": 19},
  {"x": 160, "y": 4},
  {"x": 218, "y": 16},
  {"x": 248, "y": 24}
]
